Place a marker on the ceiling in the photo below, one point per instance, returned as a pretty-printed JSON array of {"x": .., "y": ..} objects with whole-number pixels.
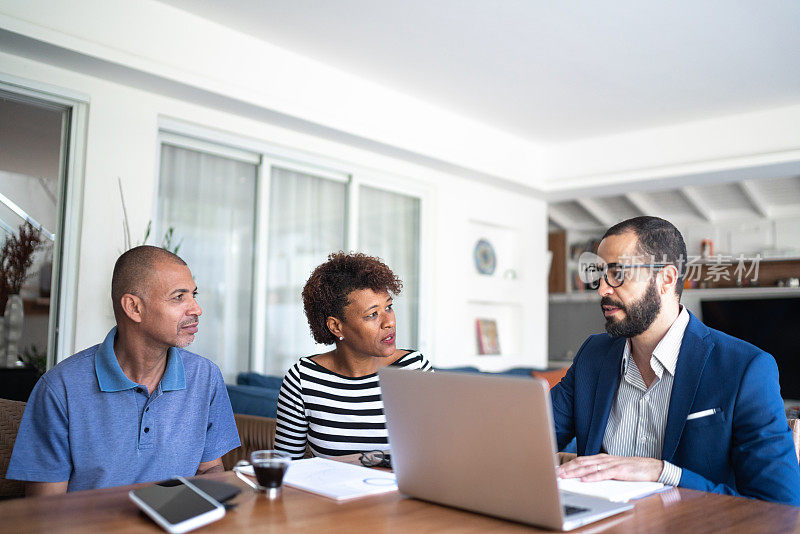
[
  {"x": 554, "y": 72},
  {"x": 549, "y": 72},
  {"x": 749, "y": 199}
]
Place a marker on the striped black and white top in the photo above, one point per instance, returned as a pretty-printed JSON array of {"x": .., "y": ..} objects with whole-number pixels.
[{"x": 332, "y": 413}]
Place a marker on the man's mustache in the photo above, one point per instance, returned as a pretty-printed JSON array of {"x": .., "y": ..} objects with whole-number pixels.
[
  {"x": 607, "y": 301},
  {"x": 194, "y": 319}
]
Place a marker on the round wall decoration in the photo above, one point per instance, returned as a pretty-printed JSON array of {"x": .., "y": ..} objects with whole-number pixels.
[{"x": 485, "y": 260}]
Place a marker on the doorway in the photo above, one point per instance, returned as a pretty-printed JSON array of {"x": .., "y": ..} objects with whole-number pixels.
[{"x": 39, "y": 132}]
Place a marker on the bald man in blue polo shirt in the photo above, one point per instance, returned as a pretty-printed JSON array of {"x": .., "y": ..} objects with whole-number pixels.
[{"x": 136, "y": 407}]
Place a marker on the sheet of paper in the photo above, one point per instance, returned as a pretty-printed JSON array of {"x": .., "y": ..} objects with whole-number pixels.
[
  {"x": 611, "y": 490},
  {"x": 336, "y": 480}
]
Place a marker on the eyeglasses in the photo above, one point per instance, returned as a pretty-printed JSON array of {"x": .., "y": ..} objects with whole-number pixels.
[
  {"x": 376, "y": 459},
  {"x": 614, "y": 273}
]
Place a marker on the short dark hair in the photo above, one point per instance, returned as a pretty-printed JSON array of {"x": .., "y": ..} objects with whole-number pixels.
[
  {"x": 132, "y": 270},
  {"x": 658, "y": 238},
  {"x": 325, "y": 292}
]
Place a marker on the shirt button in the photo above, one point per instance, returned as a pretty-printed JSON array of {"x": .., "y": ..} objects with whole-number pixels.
[
  {"x": 147, "y": 409},
  {"x": 138, "y": 390},
  {"x": 146, "y": 429}
]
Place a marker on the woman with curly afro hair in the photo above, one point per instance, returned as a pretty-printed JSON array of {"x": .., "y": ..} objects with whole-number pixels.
[{"x": 331, "y": 402}]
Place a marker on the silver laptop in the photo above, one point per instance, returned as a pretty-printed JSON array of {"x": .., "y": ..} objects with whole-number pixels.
[{"x": 481, "y": 443}]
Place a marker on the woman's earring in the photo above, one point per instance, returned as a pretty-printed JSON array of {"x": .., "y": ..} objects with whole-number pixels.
[{"x": 341, "y": 338}]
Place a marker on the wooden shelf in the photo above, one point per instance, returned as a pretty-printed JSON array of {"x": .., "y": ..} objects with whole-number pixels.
[
  {"x": 713, "y": 274},
  {"x": 707, "y": 293},
  {"x": 769, "y": 272},
  {"x": 743, "y": 292}
]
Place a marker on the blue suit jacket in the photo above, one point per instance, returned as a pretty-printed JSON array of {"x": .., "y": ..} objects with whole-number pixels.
[{"x": 745, "y": 448}]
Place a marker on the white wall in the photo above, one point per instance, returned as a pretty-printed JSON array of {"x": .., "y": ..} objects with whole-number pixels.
[
  {"x": 122, "y": 141},
  {"x": 30, "y": 153},
  {"x": 171, "y": 46},
  {"x": 523, "y": 338},
  {"x": 173, "y": 58},
  {"x": 32, "y": 146},
  {"x": 690, "y": 151},
  {"x": 157, "y": 39},
  {"x": 752, "y": 236}
]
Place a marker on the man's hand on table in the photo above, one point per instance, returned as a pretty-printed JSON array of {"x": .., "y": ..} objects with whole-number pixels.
[{"x": 607, "y": 467}]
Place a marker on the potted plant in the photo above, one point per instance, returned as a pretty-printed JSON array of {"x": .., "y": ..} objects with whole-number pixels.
[{"x": 16, "y": 257}]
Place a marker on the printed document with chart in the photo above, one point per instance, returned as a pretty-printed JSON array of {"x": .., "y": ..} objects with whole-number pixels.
[{"x": 338, "y": 480}]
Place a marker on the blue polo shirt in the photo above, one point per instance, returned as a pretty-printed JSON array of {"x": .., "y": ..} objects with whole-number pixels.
[{"x": 86, "y": 422}]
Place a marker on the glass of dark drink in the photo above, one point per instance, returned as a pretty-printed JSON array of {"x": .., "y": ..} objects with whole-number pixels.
[{"x": 268, "y": 468}]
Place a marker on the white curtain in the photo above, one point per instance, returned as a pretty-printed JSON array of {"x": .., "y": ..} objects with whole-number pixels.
[
  {"x": 389, "y": 227},
  {"x": 210, "y": 201},
  {"x": 306, "y": 223}
]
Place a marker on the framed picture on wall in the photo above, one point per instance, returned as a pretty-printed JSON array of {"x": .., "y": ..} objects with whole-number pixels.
[{"x": 487, "y": 336}]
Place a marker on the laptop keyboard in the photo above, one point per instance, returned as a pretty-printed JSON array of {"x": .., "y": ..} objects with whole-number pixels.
[{"x": 570, "y": 510}]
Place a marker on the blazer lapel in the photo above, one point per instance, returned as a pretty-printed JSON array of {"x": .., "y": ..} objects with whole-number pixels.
[
  {"x": 606, "y": 387},
  {"x": 691, "y": 361}
]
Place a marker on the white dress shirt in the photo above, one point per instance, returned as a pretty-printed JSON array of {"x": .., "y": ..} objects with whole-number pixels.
[{"x": 639, "y": 414}]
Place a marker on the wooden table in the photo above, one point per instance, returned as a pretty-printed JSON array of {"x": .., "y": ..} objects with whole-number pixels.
[{"x": 674, "y": 511}]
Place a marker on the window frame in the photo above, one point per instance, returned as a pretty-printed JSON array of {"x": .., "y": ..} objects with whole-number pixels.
[
  {"x": 66, "y": 250},
  {"x": 398, "y": 184},
  {"x": 258, "y": 358},
  {"x": 228, "y": 145},
  {"x": 213, "y": 148}
]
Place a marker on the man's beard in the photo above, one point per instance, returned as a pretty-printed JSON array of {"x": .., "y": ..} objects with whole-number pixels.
[
  {"x": 181, "y": 343},
  {"x": 639, "y": 315}
]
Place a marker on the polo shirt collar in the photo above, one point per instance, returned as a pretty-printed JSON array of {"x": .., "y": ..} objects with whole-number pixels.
[
  {"x": 111, "y": 378},
  {"x": 174, "y": 375}
]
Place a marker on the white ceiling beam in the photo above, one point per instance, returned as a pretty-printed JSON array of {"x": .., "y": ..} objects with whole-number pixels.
[
  {"x": 598, "y": 212},
  {"x": 558, "y": 217},
  {"x": 756, "y": 197},
  {"x": 780, "y": 212},
  {"x": 698, "y": 203},
  {"x": 643, "y": 204}
]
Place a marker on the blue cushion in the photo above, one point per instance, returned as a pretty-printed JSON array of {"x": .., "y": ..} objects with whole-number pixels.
[
  {"x": 518, "y": 371},
  {"x": 466, "y": 369},
  {"x": 253, "y": 400},
  {"x": 257, "y": 379}
]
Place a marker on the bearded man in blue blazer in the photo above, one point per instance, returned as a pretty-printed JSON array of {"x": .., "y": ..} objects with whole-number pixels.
[{"x": 661, "y": 396}]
